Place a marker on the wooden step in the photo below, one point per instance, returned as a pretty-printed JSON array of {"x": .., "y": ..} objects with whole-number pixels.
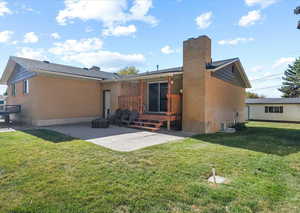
[
  {"x": 158, "y": 124},
  {"x": 157, "y": 117},
  {"x": 148, "y": 123},
  {"x": 145, "y": 127}
]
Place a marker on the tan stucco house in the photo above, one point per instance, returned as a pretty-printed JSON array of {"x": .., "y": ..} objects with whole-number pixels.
[{"x": 202, "y": 95}]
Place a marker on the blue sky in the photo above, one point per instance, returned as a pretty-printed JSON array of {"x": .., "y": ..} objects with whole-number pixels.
[{"x": 117, "y": 33}]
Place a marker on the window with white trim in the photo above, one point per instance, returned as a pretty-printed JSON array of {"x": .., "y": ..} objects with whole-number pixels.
[{"x": 26, "y": 86}]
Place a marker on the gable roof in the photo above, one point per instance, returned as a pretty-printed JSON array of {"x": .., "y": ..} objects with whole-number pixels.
[
  {"x": 58, "y": 69},
  {"x": 273, "y": 101},
  {"x": 36, "y": 65},
  {"x": 174, "y": 70},
  {"x": 52, "y": 68},
  {"x": 223, "y": 70},
  {"x": 218, "y": 64},
  {"x": 169, "y": 70}
]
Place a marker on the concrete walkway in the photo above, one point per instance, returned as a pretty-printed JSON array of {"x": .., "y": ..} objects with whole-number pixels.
[
  {"x": 118, "y": 138},
  {"x": 12, "y": 127},
  {"x": 7, "y": 130}
]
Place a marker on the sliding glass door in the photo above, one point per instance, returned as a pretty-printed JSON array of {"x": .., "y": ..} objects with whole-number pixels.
[
  {"x": 153, "y": 97},
  {"x": 157, "y": 97},
  {"x": 163, "y": 100}
]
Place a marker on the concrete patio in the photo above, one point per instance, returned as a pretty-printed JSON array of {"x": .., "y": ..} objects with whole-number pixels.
[{"x": 119, "y": 138}]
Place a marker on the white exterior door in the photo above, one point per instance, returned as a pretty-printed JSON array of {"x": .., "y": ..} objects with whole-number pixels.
[{"x": 107, "y": 99}]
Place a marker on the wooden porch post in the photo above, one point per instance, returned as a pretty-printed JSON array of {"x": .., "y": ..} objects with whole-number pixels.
[
  {"x": 141, "y": 96},
  {"x": 169, "y": 101}
]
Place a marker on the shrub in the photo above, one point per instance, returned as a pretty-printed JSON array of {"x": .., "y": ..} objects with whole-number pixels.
[{"x": 239, "y": 126}]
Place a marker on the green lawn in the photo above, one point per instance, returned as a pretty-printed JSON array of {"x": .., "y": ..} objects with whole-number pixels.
[{"x": 43, "y": 171}]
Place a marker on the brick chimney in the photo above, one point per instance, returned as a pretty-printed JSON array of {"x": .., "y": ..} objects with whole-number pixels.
[{"x": 196, "y": 55}]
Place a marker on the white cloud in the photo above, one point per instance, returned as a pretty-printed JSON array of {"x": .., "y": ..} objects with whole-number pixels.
[
  {"x": 284, "y": 61},
  {"x": 31, "y": 38},
  {"x": 110, "y": 13},
  {"x": 167, "y": 50},
  {"x": 257, "y": 69},
  {"x": 5, "y": 36},
  {"x": 4, "y": 9},
  {"x": 21, "y": 8},
  {"x": 109, "y": 61},
  {"x": 204, "y": 20},
  {"x": 139, "y": 11},
  {"x": 26, "y": 8},
  {"x": 88, "y": 52},
  {"x": 250, "y": 19},
  {"x": 55, "y": 36},
  {"x": 120, "y": 30},
  {"x": 262, "y": 3},
  {"x": 105, "y": 11},
  {"x": 75, "y": 46},
  {"x": 27, "y": 52},
  {"x": 235, "y": 41}
]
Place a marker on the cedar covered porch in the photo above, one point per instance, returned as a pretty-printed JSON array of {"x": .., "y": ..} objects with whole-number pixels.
[{"x": 158, "y": 101}]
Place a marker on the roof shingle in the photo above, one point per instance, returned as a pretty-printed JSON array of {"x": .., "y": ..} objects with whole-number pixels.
[
  {"x": 35, "y": 65},
  {"x": 273, "y": 101},
  {"x": 216, "y": 64}
]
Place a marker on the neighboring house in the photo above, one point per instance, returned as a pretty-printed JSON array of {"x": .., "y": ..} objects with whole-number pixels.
[
  {"x": 273, "y": 109},
  {"x": 203, "y": 95},
  {"x": 2, "y": 99},
  {"x": 2, "y": 102}
]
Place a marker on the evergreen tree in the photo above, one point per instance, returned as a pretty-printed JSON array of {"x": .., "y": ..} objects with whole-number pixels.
[
  {"x": 291, "y": 81},
  {"x": 128, "y": 71},
  {"x": 297, "y": 12}
]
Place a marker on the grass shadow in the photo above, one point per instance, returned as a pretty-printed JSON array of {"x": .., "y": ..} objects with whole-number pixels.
[
  {"x": 275, "y": 141},
  {"x": 49, "y": 135}
]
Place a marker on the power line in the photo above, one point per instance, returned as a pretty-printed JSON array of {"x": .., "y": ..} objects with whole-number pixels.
[
  {"x": 262, "y": 88},
  {"x": 267, "y": 76},
  {"x": 273, "y": 78}
]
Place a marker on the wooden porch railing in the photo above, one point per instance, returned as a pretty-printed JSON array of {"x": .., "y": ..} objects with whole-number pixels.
[
  {"x": 7, "y": 109},
  {"x": 131, "y": 103},
  {"x": 136, "y": 103},
  {"x": 174, "y": 106}
]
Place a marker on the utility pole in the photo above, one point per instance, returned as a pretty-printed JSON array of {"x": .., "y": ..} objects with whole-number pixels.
[{"x": 297, "y": 12}]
